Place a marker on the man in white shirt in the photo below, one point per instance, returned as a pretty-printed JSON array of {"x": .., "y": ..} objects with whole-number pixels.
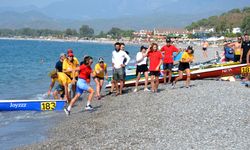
[{"x": 118, "y": 57}]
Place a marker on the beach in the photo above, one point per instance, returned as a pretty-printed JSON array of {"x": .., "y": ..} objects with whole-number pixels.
[{"x": 211, "y": 114}]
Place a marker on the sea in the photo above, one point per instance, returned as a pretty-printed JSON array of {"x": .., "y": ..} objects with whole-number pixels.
[{"x": 24, "y": 68}]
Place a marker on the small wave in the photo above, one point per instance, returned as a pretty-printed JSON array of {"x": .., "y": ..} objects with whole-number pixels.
[{"x": 42, "y": 96}]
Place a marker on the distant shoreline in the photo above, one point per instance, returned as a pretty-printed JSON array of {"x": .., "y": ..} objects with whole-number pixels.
[{"x": 105, "y": 41}]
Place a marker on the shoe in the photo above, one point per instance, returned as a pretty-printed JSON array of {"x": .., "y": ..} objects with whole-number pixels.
[
  {"x": 67, "y": 112},
  {"x": 146, "y": 90},
  {"x": 109, "y": 93},
  {"x": 89, "y": 107},
  {"x": 135, "y": 90},
  {"x": 173, "y": 85}
]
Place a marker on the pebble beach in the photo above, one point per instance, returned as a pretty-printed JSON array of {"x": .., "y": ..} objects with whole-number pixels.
[{"x": 211, "y": 114}]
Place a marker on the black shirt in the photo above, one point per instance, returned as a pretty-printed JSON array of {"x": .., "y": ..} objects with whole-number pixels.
[
  {"x": 245, "y": 46},
  {"x": 59, "y": 66}
]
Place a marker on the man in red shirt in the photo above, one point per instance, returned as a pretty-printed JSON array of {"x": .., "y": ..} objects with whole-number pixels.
[
  {"x": 155, "y": 59},
  {"x": 168, "y": 61}
]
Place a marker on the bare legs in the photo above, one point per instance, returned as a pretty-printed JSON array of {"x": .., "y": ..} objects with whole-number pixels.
[
  {"x": 90, "y": 97},
  {"x": 154, "y": 83},
  {"x": 181, "y": 76},
  {"x": 205, "y": 54},
  {"x": 169, "y": 76},
  {"x": 99, "y": 84}
]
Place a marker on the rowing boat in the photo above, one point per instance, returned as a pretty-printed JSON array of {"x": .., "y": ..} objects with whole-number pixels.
[
  {"x": 198, "y": 72},
  {"x": 31, "y": 105}
]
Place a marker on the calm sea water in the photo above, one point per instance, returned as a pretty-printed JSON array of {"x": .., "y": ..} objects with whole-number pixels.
[{"x": 24, "y": 68}]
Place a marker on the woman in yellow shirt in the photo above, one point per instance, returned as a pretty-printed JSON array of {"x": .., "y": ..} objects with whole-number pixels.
[
  {"x": 99, "y": 72},
  {"x": 187, "y": 57},
  {"x": 69, "y": 66}
]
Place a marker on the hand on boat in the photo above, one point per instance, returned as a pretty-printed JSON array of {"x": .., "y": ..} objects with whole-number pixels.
[{"x": 49, "y": 92}]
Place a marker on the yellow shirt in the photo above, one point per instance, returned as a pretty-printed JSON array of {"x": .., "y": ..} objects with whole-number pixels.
[
  {"x": 62, "y": 79},
  {"x": 70, "y": 65},
  {"x": 186, "y": 56},
  {"x": 101, "y": 70}
]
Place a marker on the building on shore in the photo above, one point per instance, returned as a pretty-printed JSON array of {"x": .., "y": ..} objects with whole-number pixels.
[{"x": 160, "y": 34}]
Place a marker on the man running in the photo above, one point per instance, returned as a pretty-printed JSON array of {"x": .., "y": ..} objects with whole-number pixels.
[
  {"x": 168, "y": 61},
  {"x": 118, "y": 57},
  {"x": 204, "y": 48}
]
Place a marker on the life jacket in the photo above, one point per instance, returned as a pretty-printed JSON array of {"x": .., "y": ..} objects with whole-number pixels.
[{"x": 229, "y": 52}]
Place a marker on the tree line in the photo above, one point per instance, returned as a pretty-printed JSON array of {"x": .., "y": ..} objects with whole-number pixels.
[
  {"x": 84, "y": 32},
  {"x": 224, "y": 23}
]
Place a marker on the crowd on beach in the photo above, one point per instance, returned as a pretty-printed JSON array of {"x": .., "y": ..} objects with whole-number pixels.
[{"x": 74, "y": 78}]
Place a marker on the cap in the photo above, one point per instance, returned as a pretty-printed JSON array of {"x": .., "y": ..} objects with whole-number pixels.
[
  {"x": 52, "y": 73},
  {"x": 168, "y": 40},
  {"x": 190, "y": 48},
  {"x": 70, "y": 51},
  {"x": 70, "y": 55},
  {"x": 100, "y": 60},
  {"x": 143, "y": 47},
  {"x": 62, "y": 54}
]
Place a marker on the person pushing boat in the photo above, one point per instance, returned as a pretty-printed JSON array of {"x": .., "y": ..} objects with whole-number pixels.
[
  {"x": 63, "y": 83},
  {"x": 184, "y": 65},
  {"x": 83, "y": 84},
  {"x": 69, "y": 66}
]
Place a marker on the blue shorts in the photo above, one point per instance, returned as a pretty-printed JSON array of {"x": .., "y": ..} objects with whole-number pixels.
[{"x": 81, "y": 86}]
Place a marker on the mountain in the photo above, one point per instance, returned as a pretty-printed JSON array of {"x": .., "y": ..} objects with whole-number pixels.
[
  {"x": 229, "y": 20},
  {"x": 34, "y": 19},
  {"x": 37, "y": 20},
  {"x": 125, "y": 14},
  {"x": 110, "y": 9}
]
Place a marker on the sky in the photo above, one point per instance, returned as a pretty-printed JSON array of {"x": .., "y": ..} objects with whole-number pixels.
[{"x": 20, "y": 3}]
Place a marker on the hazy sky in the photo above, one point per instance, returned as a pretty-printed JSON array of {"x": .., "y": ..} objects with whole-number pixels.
[
  {"x": 38, "y": 3},
  {"x": 18, "y": 3}
]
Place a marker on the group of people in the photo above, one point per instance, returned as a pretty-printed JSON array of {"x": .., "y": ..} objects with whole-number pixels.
[
  {"x": 235, "y": 51},
  {"x": 74, "y": 78}
]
